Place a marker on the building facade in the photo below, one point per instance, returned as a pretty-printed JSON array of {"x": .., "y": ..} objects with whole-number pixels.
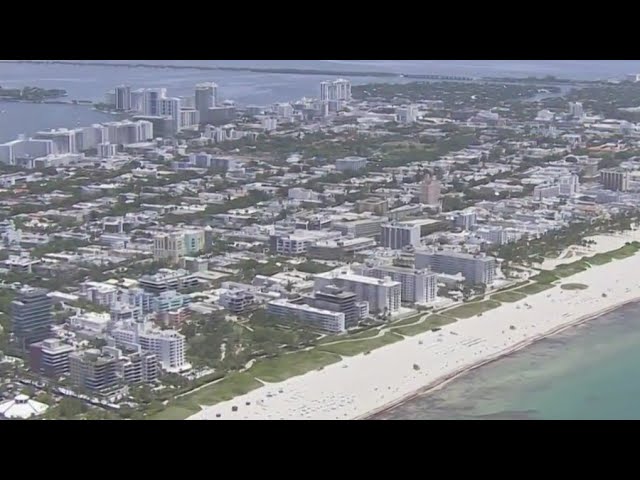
[
  {"x": 476, "y": 269},
  {"x": 31, "y": 316},
  {"x": 323, "y": 320},
  {"x": 399, "y": 235}
]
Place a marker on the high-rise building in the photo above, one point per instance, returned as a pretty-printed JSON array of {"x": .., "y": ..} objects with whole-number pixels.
[
  {"x": 206, "y": 97},
  {"x": 576, "y": 110},
  {"x": 31, "y": 316},
  {"x": 50, "y": 357},
  {"x": 171, "y": 107},
  {"x": 545, "y": 191},
  {"x": 377, "y": 206},
  {"x": 476, "y": 269},
  {"x": 123, "y": 98},
  {"x": 383, "y": 295},
  {"x": 64, "y": 140},
  {"x": 189, "y": 118},
  {"x": 417, "y": 286},
  {"x": 167, "y": 279},
  {"x": 430, "y": 191},
  {"x": 323, "y": 320},
  {"x": 613, "y": 179},
  {"x": 168, "y": 346},
  {"x": 399, "y": 235},
  {"x": 335, "y": 299},
  {"x": 169, "y": 246},
  {"x": 465, "y": 220},
  {"x": 408, "y": 114},
  {"x": 569, "y": 185},
  {"x": 138, "y": 367},
  {"x": 337, "y": 90},
  {"x": 151, "y": 98},
  {"x": 236, "y": 300},
  {"x": 94, "y": 371}
]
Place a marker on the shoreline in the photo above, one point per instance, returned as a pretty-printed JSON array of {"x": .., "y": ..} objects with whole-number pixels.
[
  {"x": 365, "y": 386},
  {"x": 450, "y": 377}
]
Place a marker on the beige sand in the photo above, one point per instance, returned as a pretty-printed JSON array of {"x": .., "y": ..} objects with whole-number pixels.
[{"x": 361, "y": 385}]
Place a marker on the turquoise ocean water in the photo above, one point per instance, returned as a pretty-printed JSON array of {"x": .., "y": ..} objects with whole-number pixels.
[{"x": 588, "y": 372}]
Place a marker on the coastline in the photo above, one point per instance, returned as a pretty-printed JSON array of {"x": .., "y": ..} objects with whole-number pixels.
[
  {"x": 363, "y": 386},
  {"x": 446, "y": 379}
]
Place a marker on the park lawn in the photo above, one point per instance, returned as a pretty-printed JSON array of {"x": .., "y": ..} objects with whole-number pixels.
[
  {"x": 508, "y": 297},
  {"x": 569, "y": 269},
  {"x": 533, "y": 288},
  {"x": 175, "y": 411},
  {"x": 599, "y": 259},
  {"x": 472, "y": 309},
  {"x": 409, "y": 320},
  {"x": 429, "y": 323},
  {"x": 339, "y": 338},
  {"x": 574, "y": 286},
  {"x": 624, "y": 252},
  {"x": 349, "y": 349},
  {"x": 280, "y": 368},
  {"x": 229, "y": 387},
  {"x": 545, "y": 277}
]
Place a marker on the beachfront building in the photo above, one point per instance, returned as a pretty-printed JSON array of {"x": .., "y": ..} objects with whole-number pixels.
[
  {"x": 336, "y": 299},
  {"x": 168, "y": 346},
  {"x": 476, "y": 269},
  {"x": 383, "y": 295},
  {"x": 417, "y": 286},
  {"x": 323, "y": 320}
]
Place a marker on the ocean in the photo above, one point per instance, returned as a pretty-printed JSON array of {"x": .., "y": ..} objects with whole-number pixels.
[
  {"x": 91, "y": 82},
  {"x": 588, "y": 372}
]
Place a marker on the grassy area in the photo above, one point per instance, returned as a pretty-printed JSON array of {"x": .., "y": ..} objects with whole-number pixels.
[
  {"x": 618, "y": 254},
  {"x": 278, "y": 369},
  {"x": 337, "y": 338},
  {"x": 533, "y": 288},
  {"x": 574, "y": 286},
  {"x": 569, "y": 269},
  {"x": 175, "y": 411},
  {"x": 472, "y": 309},
  {"x": 409, "y": 320},
  {"x": 226, "y": 389},
  {"x": 429, "y": 323},
  {"x": 508, "y": 296},
  {"x": 544, "y": 277},
  {"x": 599, "y": 259},
  {"x": 349, "y": 349}
]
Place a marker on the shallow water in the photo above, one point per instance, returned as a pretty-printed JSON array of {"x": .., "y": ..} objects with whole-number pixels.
[{"x": 587, "y": 372}]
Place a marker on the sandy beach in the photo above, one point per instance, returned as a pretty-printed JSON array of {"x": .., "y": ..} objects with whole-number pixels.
[{"x": 361, "y": 386}]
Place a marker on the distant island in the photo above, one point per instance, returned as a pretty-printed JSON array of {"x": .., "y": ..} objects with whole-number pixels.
[{"x": 31, "y": 94}]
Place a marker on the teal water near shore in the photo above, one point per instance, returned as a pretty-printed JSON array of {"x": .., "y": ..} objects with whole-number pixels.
[{"x": 589, "y": 372}]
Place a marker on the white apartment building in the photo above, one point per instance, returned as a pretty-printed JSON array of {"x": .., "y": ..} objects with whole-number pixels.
[
  {"x": 417, "y": 286},
  {"x": 398, "y": 235},
  {"x": 408, "y": 114},
  {"x": 545, "y": 191},
  {"x": 168, "y": 346},
  {"x": 324, "y": 320},
  {"x": 335, "y": 90},
  {"x": 383, "y": 295},
  {"x": 569, "y": 185},
  {"x": 351, "y": 164}
]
